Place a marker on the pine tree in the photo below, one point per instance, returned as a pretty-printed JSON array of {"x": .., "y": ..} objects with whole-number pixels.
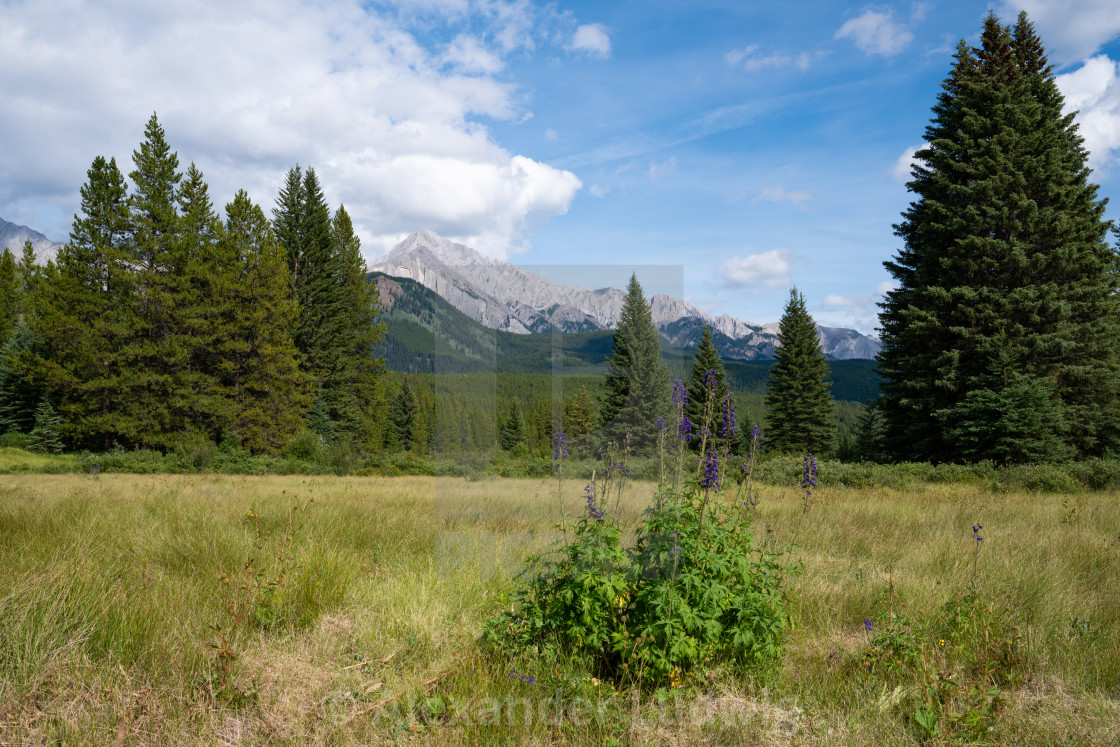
[
  {"x": 28, "y": 272},
  {"x": 19, "y": 396},
  {"x": 269, "y": 394},
  {"x": 699, "y": 412},
  {"x": 1006, "y": 285},
  {"x": 514, "y": 430},
  {"x": 402, "y": 415},
  {"x": 151, "y": 410},
  {"x": 580, "y": 417},
  {"x": 799, "y": 413},
  {"x": 46, "y": 436},
  {"x": 84, "y": 310},
  {"x": 9, "y": 293},
  {"x": 637, "y": 383}
]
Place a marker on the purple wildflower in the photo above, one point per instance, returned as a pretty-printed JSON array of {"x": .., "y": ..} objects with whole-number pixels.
[
  {"x": 710, "y": 479},
  {"x": 523, "y": 677},
  {"x": 729, "y": 419},
  {"x": 809, "y": 476},
  {"x": 593, "y": 511},
  {"x": 680, "y": 393},
  {"x": 660, "y": 423},
  {"x": 976, "y": 532},
  {"x": 559, "y": 446},
  {"x": 684, "y": 429},
  {"x": 710, "y": 382},
  {"x": 867, "y": 624}
]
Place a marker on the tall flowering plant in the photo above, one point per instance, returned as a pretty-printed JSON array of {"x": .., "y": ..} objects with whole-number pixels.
[{"x": 692, "y": 589}]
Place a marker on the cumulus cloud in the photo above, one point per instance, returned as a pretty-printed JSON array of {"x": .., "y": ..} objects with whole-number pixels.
[
  {"x": 780, "y": 194},
  {"x": 1071, "y": 29},
  {"x": 591, "y": 38},
  {"x": 751, "y": 61},
  {"x": 876, "y": 32},
  {"x": 599, "y": 190},
  {"x": 906, "y": 161},
  {"x": 470, "y": 55},
  {"x": 1094, "y": 91},
  {"x": 763, "y": 272},
  {"x": 392, "y": 128}
]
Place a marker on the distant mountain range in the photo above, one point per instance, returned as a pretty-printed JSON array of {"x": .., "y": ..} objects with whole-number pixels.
[
  {"x": 426, "y": 334},
  {"x": 505, "y": 297},
  {"x": 13, "y": 236}
]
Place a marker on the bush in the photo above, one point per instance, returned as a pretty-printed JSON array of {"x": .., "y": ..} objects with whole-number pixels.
[{"x": 693, "y": 590}]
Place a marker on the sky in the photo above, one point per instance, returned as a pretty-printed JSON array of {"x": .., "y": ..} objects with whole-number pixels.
[{"x": 746, "y": 146}]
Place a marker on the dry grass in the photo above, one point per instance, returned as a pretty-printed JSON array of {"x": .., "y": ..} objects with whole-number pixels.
[{"x": 109, "y": 586}]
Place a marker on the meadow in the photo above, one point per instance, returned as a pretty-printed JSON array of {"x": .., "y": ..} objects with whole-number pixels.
[{"x": 245, "y": 610}]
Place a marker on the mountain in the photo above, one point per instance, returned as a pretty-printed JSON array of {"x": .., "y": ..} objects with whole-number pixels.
[
  {"x": 505, "y": 297},
  {"x": 13, "y": 236},
  {"x": 426, "y": 334}
]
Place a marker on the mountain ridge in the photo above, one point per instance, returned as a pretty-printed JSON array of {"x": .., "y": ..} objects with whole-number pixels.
[
  {"x": 506, "y": 297},
  {"x": 13, "y": 236}
]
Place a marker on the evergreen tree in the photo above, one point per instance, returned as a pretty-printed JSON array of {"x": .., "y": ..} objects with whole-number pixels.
[
  {"x": 28, "y": 273},
  {"x": 580, "y": 417},
  {"x": 270, "y": 395},
  {"x": 799, "y": 406},
  {"x": 9, "y": 293},
  {"x": 870, "y": 445},
  {"x": 699, "y": 412},
  {"x": 155, "y": 354},
  {"x": 46, "y": 437},
  {"x": 514, "y": 430},
  {"x": 18, "y": 395},
  {"x": 402, "y": 415},
  {"x": 1006, "y": 292},
  {"x": 84, "y": 310},
  {"x": 637, "y": 382}
]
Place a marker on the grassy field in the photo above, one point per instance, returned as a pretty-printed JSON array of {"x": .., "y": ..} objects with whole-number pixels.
[{"x": 363, "y": 610}]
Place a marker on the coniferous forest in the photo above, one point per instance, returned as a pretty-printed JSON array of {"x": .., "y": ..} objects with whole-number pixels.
[{"x": 167, "y": 324}]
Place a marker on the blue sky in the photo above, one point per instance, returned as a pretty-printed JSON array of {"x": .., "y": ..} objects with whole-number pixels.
[{"x": 756, "y": 145}]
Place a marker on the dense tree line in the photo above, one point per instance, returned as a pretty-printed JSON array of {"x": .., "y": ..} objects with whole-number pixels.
[{"x": 161, "y": 322}]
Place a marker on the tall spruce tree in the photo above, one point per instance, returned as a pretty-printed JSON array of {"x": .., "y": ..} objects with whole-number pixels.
[
  {"x": 637, "y": 383},
  {"x": 699, "y": 412},
  {"x": 1002, "y": 339},
  {"x": 19, "y": 396},
  {"x": 259, "y": 369},
  {"x": 9, "y": 293},
  {"x": 84, "y": 310},
  {"x": 800, "y": 410}
]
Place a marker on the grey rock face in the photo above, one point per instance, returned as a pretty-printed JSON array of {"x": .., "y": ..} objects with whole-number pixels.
[
  {"x": 13, "y": 236},
  {"x": 504, "y": 296}
]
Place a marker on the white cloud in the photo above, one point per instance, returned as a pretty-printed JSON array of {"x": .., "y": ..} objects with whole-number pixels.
[
  {"x": 876, "y": 32},
  {"x": 249, "y": 90},
  {"x": 1071, "y": 29},
  {"x": 753, "y": 63},
  {"x": 779, "y": 194},
  {"x": 1094, "y": 90},
  {"x": 902, "y": 166},
  {"x": 591, "y": 38},
  {"x": 658, "y": 170},
  {"x": 766, "y": 271},
  {"x": 858, "y": 311},
  {"x": 550, "y": 134},
  {"x": 469, "y": 55},
  {"x": 598, "y": 190}
]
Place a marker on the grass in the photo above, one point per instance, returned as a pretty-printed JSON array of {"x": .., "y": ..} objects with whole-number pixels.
[{"x": 110, "y": 587}]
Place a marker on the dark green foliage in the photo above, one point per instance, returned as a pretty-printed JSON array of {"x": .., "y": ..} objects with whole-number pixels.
[
  {"x": 514, "y": 432},
  {"x": 28, "y": 273},
  {"x": 800, "y": 415},
  {"x": 402, "y": 415},
  {"x": 707, "y": 359},
  {"x": 637, "y": 382},
  {"x": 336, "y": 326},
  {"x": 46, "y": 436},
  {"x": 19, "y": 397},
  {"x": 84, "y": 312},
  {"x": 870, "y": 445},
  {"x": 9, "y": 293},
  {"x": 580, "y": 419},
  {"x": 1001, "y": 340}
]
